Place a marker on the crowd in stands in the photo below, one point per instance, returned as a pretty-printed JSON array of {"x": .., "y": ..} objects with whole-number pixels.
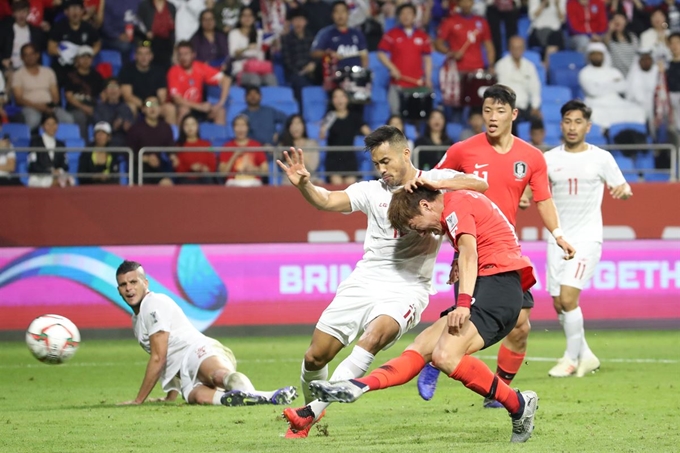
[{"x": 252, "y": 74}]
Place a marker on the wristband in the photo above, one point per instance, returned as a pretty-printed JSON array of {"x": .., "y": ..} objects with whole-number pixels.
[
  {"x": 464, "y": 301},
  {"x": 557, "y": 233}
]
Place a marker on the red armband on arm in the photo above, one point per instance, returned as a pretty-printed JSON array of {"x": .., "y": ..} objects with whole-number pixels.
[{"x": 464, "y": 301}]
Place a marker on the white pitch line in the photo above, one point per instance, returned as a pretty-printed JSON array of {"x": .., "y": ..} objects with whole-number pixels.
[{"x": 286, "y": 360}]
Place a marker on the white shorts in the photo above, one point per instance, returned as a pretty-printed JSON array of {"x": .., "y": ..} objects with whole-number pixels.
[
  {"x": 357, "y": 303},
  {"x": 194, "y": 357},
  {"x": 575, "y": 272}
]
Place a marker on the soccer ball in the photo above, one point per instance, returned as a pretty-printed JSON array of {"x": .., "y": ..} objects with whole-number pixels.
[{"x": 52, "y": 339}]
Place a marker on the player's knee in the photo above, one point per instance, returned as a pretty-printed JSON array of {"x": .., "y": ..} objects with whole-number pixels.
[
  {"x": 444, "y": 360},
  {"x": 520, "y": 334},
  {"x": 374, "y": 342},
  {"x": 569, "y": 303},
  {"x": 315, "y": 360}
]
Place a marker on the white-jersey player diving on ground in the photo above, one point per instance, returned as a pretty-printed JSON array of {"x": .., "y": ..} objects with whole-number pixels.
[
  {"x": 578, "y": 173},
  {"x": 181, "y": 357},
  {"x": 390, "y": 287}
]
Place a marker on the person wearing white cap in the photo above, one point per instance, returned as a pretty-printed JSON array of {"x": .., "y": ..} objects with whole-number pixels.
[
  {"x": 603, "y": 86},
  {"x": 102, "y": 164},
  {"x": 83, "y": 86}
]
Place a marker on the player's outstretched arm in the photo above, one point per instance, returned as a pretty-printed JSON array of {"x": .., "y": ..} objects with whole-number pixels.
[
  {"x": 460, "y": 181},
  {"x": 621, "y": 192},
  {"x": 548, "y": 212},
  {"x": 157, "y": 360},
  {"x": 319, "y": 197}
]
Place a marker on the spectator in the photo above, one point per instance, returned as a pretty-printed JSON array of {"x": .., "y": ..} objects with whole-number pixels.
[
  {"x": 475, "y": 125},
  {"x": 151, "y": 130},
  {"x": 103, "y": 164},
  {"x": 268, "y": 119},
  {"x": 603, "y": 87},
  {"x": 117, "y": 28},
  {"x": 249, "y": 65},
  {"x": 673, "y": 77},
  {"x": 409, "y": 62},
  {"x": 187, "y": 17},
  {"x": 655, "y": 38},
  {"x": 359, "y": 12},
  {"x": 83, "y": 88},
  {"x": 521, "y": 75},
  {"x": 15, "y": 31},
  {"x": 247, "y": 167},
  {"x": 461, "y": 37},
  {"x": 142, "y": 79},
  {"x": 37, "y": 15},
  {"x": 294, "y": 135},
  {"x": 93, "y": 12},
  {"x": 398, "y": 122},
  {"x": 537, "y": 134},
  {"x": 47, "y": 169},
  {"x": 434, "y": 135},
  {"x": 547, "y": 18},
  {"x": 622, "y": 44},
  {"x": 67, "y": 36},
  {"x": 586, "y": 20},
  {"x": 114, "y": 112},
  {"x": 156, "y": 23},
  {"x": 319, "y": 13},
  {"x": 423, "y": 12},
  {"x": 298, "y": 64},
  {"x": 672, "y": 10},
  {"x": 226, "y": 13},
  {"x": 338, "y": 45},
  {"x": 507, "y": 12},
  {"x": 642, "y": 81},
  {"x": 210, "y": 43},
  {"x": 273, "y": 19},
  {"x": 197, "y": 162},
  {"x": 635, "y": 13},
  {"x": 8, "y": 163},
  {"x": 338, "y": 128},
  {"x": 185, "y": 84},
  {"x": 35, "y": 89}
]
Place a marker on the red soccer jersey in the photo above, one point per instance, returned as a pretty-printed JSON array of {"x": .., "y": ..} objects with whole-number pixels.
[
  {"x": 507, "y": 174},
  {"x": 406, "y": 53},
  {"x": 498, "y": 250},
  {"x": 246, "y": 159},
  {"x": 189, "y": 84},
  {"x": 187, "y": 159},
  {"x": 587, "y": 20},
  {"x": 458, "y": 29}
]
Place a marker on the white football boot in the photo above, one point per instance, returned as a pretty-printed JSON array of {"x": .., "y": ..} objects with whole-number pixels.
[
  {"x": 587, "y": 364},
  {"x": 565, "y": 367}
]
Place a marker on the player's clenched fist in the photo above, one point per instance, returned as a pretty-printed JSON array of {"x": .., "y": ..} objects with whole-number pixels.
[
  {"x": 569, "y": 250},
  {"x": 294, "y": 167},
  {"x": 457, "y": 318}
]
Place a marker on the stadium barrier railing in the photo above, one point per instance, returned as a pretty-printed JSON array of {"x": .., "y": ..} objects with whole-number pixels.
[
  {"x": 23, "y": 153},
  {"x": 672, "y": 171},
  {"x": 274, "y": 174}
]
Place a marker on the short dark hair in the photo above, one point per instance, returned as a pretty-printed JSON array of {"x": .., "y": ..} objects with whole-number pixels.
[
  {"x": 339, "y": 2},
  {"x": 406, "y": 205},
  {"x": 389, "y": 134},
  {"x": 575, "y": 104},
  {"x": 536, "y": 124},
  {"x": 674, "y": 35},
  {"x": 250, "y": 88},
  {"x": 184, "y": 43},
  {"x": 501, "y": 94},
  {"x": 20, "y": 4},
  {"x": 27, "y": 46},
  {"x": 127, "y": 266},
  {"x": 401, "y": 7},
  {"x": 47, "y": 116}
]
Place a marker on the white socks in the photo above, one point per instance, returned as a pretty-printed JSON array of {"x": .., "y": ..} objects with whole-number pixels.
[
  {"x": 352, "y": 367},
  {"x": 217, "y": 398},
  {"x": 573, "y": 330},
  {"x": 239, "y": 381},
  {"x": 308, "y": 376}
]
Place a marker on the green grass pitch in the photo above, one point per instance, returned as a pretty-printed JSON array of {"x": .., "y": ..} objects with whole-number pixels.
[{"x": 631, "y": 405}]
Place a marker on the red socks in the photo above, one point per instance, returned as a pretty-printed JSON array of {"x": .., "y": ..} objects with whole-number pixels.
[
  {"x": 397, "y": 371},
  {"x": 475, "y": 375},
  {"x": 509, "y": 363}
]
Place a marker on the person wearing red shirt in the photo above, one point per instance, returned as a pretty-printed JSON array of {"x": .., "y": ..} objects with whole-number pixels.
[
  {"x": 247, "y": 165},
  {"x": 185, "y": 86},
  {"x": 509, "y": 165},
  {"x": 586, "y": 19},
  {"x": 409, "y": 62},
  {"x": 493, "y": 275},
  {"x": 193, "y": 161}
]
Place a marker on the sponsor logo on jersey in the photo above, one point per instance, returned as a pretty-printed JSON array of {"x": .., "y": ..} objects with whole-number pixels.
[
  {"x": 481, "y": 165},
  {"x": 452, "y": 222},
  {"x": 520, "y": 169}
]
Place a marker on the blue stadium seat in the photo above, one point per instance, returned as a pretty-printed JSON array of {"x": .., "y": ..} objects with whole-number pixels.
[
  {"x": 615, "y": 129},
  {"x": 236, "y": 94},
  {"x": 16, "y": 131},
  {"x": 596, "y": 140},
  {"x": 390, "y": 23},
  {"x": 657, "y": 177},
  {"x": 438, "y": 60},
  {"x": 595, "y": 130},
  {"x": 74, "y": 143},
  {"x": 46, "y": 60},
  {"x": 213, "y": 132},
  {"x": 314, "y": 103},
  {"x": 381, "y": 75},
  {"x": 175, "y": 131},
  {"x": 542, "y": 75},
  {"x": 566, "y": 59},
  {"x": 112, "y": 57},
  {"x": 280, "y": 74},
  {"x": 376, "y": 112},
  {"x": 523, "y": 25},
  {"x": 551, "y": 113},
  {"x": 277, "y": 94},
  {"x": 627, "y": 166},
  {"x": 67, "y": 132},
  {"x": 410, "y": 131},
  {"x": 524, "y": 130},
  {"x": 22, "y": 166},
  {"x": 454, "y": 130},
  {"x": 313, "y": 129},
  {"x": 378, "y": 93},
  {"x": 214, "y": 91},
  {"x": 556, "y": 94},
  {"x": 235, "y": 109}
]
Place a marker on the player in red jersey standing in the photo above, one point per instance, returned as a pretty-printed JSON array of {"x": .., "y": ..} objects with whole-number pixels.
[
  {"x": 508, "y": 164},
  {"x": 493, "y": 278}
]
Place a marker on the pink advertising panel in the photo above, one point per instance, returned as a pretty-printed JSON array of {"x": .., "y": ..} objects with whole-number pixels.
[{"x": 265, "y": 284}]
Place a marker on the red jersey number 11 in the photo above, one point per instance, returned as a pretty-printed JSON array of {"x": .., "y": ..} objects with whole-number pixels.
[{"x": 573, "y": 186}]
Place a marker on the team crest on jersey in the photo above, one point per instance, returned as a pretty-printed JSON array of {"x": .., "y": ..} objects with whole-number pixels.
[
  {"x": 520, "y": 169},
  {"x": 153, "y": 315},
  {"x": 452, "y": 222}
]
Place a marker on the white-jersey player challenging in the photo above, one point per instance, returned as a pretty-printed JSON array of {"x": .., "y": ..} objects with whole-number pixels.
[
  {"x": 181, "y": 357},
  {"x": 578, "y": 173},
  {"x": 390, "y": 287}
]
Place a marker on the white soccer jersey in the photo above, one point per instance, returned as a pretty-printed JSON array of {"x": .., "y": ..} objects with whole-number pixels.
[
  {"x": 578, "y": 181},
  {"x": 388, "y": 256},
  {"x": 160, "y": 313}
]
